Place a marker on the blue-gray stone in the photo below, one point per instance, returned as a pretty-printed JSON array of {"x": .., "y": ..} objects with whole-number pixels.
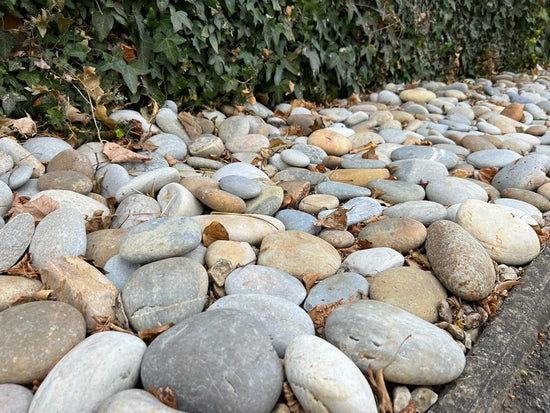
[
  {"x": 314, "y": 153},
  {"x": 451, "y": 190},
  {"x": 241, "y": 169},
  {"x": 490, "y": 158},
  {"x": 45, "y": 148},
  {"x": 15, "y": 398},
  {"x": 298, "y": 174},
  {"x": 341, "y": 190},
  {"x": 118, "y": 270},
  {"x": 342, "y": 286},
  {"x": 528, "y": 172},
  {"x": 169, "y": 144},
  {"x": 111, "y": 178},
  {"x": 360, "y": 209},
  {"x": 355, "y": 163},
  {"x": 426, "y": 212},
  {"x": 417, "y": 170},
  {"x": 157, "y": 161},
  {"x": 6, "y": 198},
  {"x": 216, "y": 361},
  {"x": 244, "y": 188},
  {"x": 449, "y": 159},
  {"x": 258, "y": 279},
  {"x": 148, "y": 182},
  {"x": 15, "y": 237},
  {"x": 267, "y": 202},
  {"x": 298, "y": 221},
  {"x": 17, "y": 177},
  {"x": 295, "y": 157},
  {"x": 160, "y": 238},
  {"x": 165, "y": 291},
  {"x": 134, "y": 210}
]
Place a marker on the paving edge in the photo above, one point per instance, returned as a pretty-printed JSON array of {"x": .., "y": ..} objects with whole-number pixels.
[{"x": 494, "y": 360}]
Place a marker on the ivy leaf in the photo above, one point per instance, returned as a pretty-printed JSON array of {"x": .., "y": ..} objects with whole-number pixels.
[
  {"x": 129, "y": 72},
  {"x": 10, "y": 101},
  {"x": 179, "y": 19},
  {"x": 7, "y": 44},
  {"x": 168, "y": 44},
  {"x": 162, "y": 5},
  {"x": 314, "y": 60},
  {"x": 103, "y": 23},
  {"x": 214, "y": 42}
]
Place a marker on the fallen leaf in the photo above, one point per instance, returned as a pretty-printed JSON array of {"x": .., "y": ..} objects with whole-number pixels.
[
  {"x": 376, "y": 381},
  {"x": 277, "y": 143},
  {"x": 410, "y": 407},
  {"x": 320, "y": 313},
  {"x": 92, "y": 83},
  {"x": 309, "y": 280},
  {"x": 166, "y": 395},
  {"x": 320, "y": 168},
  {"x": 291, "y": 87},
  {"x": 118, "y": 154},
  {"x": 190, "y": 125},
  {"x": 38, "y": 208},
  {"x": 355, "y": 228},
  {"x": 249, "y": 96},
  {"x": 292, "y": 403},
  {"x": 24, "y": 268},
  {"x": 461, "y": 173},
  {"x": 360, "y": 244},
  {"x": 97, "y": 221},
  {"x": 354, "y": 99},
  {"x": 25, "y": 126},
  {"x": 101, "y": 114},
  {"x": 368, "y": 146},
  {"x": 129, "y": 53},
  {"x": 335, "y": 220},
  {"x": 505, "y": 285},
  {"x": 420, "y": 259},
  {"x": 42, "y": 295},
  {"x": 214, "y": 232},
  {"x": 74, "y": 115},
  {"x": 412, "y": 140},
  {"x": 151, "y": 333},
  {"x": 107, "y": 323},
  {"x": 170, "y": 159},
  {"x": 487, "y": 174},
  {"x": 543, "y": 236}
]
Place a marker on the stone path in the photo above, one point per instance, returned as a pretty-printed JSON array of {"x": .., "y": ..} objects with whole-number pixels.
[{"x": 391, "y": 229}]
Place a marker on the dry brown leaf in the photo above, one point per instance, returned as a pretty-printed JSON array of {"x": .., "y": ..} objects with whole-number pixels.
[
  {"x": 487, "y": 174},
  {"x": 42, "y": 295},
  {"x": 335, "y": 220},
  {"x": 500, "y": 288},
  {"x": 409, "y": 408},
  {"x": 295, "y": 130},
  {"x": 170, "y": 159},
  {"x": 38, "y": 208},
  {"x": 166, "y": 395},
  {"x": 309, "y": 280},
  {"x": 368, "y": 146},
  {"x": 107, "y": 323},
  {"x": 320, "y": 168},
  {"x": 300, "y": 103},
  {"x": 25, "y": 126},
  {"x": 280, "y": 114},
  {"x": 420, "y": 259},
  {"x": 354, "y": 99},
  {"x": 378, "y": 384},
  {"x": 214, "y": 232},
  {"x": 290, "y": 399},
  {"x": 74, "y": 115},
  {"x": 277, "y": 143},
  {"x": 24, "y": 268},
  {"x": 190, "y": 125},
  {"x": 360, "y": 244},
  {"x": 412, "y": 140},
  {"x": 97, "y": 221},
  {"x": 91, "y": 83},
  {"x": 101, "y": 114},
  {"x": 118, "y": 154},
  {"x": 151, "y": 333},
  {"x": 320, "y": 313},
  {"x": 355, "y": 228},
  {"x": 291, "y": 87},
  {"x": 543, "y": 236},
  {"x": 129, "y": 53},
  {"x": 461, "y": 173}
]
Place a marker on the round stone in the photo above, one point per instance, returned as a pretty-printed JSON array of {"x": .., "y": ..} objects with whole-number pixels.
[
  {"x": 298, "y": 253},
  {"x": 313, "y": 204},
  {"x": 169, "y": 144},
  {"x": 268, "y": 202},
  {"x": 507, "y": 239},
  {"x": 346, "y": 286},
  {"x": 359, "y": 177},
  {"x": 325, "y": 379},
  {"x": 148, "y": 182},
  {"x": 396, "y": 192},
  {"x": 188, "y": 356},
  {"x": 418, "y": 170},
  {"x": 341, "y": 190},
  {"x": 160, "y": 238},
  {"x": 165, "y": 291},
  {"x": 206, "y": 146},
  {"x": 219, "y": 200},
  {"x": 447, "y": 158},
  {"x": 298, "y": 221},
  {"x": 360, "y": 209},
  {"x": 426, "y": 355},
  {"x": 401, "y": 234},
  {"x": 426, "y": 212},
  {"x": 239, "y": 254},
  {"x": 134, "y": 401},
  {"x": 338, "y": 238},
  {"x": 67, "y": 180},
  {"x": 100, "y": 366},
  {"x": 134, "y": 210},
  {"x": 45, "y": 148},
  {"x": 240, "y": 186},
  {"x": 258, "y": 279},
  {"x": 294, "y": 157},
  {"x": 417, "y": 95},
  {"x": 411, "y": 289},
  {"x": 234, "y": 126},
  {"x": 17, "y": 177},
  {"x": 72, "y": 160},
  {"x": 536, "y": 199},
  {"x": 332, "y": 142},
  {"x": 281, "y": 319},
  {"x": 111, "y": 178},
  {"x": 48, "y": 329},
  {"x": 239, "y": 168},
  {"x": 13, "y": 288},
  {"x": 492, "y": 158},
  {"x": 102, "y": 245},
  {"x": 248, "y": 143},
  {"x": 174, "y": 199},
  {"x": 373, "y": 261},
  {"x": 451, "y": 190},
  {"x": 118, "y": 270},
  {"x": 15, "y": 398},
  {"x": 528, "y": 172}
]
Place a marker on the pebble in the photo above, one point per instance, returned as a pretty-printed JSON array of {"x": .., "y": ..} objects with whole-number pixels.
[
  {"x": 447, "y": 158},
  {"x": 6, "y": 163},
  {"x": 426, "y": 212},
  {"x": 164, "y": 291},
  {"x": 295, "y": 158},
  {"x": 133, "y": 210},
  {"x": 417, "y": 170},
  {"x": 282, "y": 320},
  {"x": 169, "y": 144},
  {"x": 314, "y": 153},
  {"x": 15, "y": 237},
  {"x": 360, "y": 209},
  {"x": 219, "y": 360},
  {"x": 111, "y": 177},
  {"x": 298, "y": 253},
  {"x": 359, "y": 329},
  {"x": 206, "y": 146},
  {"x": 519, "y": 205},
  {"x": 67, "y": 180},
  {"x": 103, "y": 244},
  {"x": 45, "y": 148},
  {"x": 315, "y": 203},
  {"x": 176, "y": 200},
  {"x": 240, "y": 186},
  {"x": 401, "y": 234},
  {"x": 134, "y": 401},
  {"x": 148, "y": 182},
  {"x": 411, "y": 289},
  {"x": 341, "y": 190},
  {"x": 48, "y": 329},
  {"x": 98, "y": 367},
  {"x": 219, "y": 200},
  {"x": 396, "y": 192},
  {"x": 338, "y": 238},
  {"x": 15, "y": 398},
  {"x": 324, "y": 379},
  {"x": 238, "y": 254},
  {"x": 13, "y": 288},
  {"x": 268, "y": 202},
  {"x": 234, "y": 126},
  {"x": 297, "y": 221},
  {"x": 508, "y": 240},
  {"x": 85, "y": 205},
  {"x": 295, "y": 174},
  {"x": 21, "y": 156},
  {"x": 17, "y": 177},
  {"x": 346, "y": 286},
  {"x": 451, "y": 190},
  {"x": 72, "y": 160},
  {"x": 239, "y": 168},
  {"x": 536, "y": 199},
  {"x": 331, "y": 141},
  {"x": 117, "y": 270},
  {"x": 529, "y": 172},
  {"x": 61, "y": 233},
  {"x": 167, "y": 120},
  {"x": 160, "y": 238},
  {"x": 372, "y": 261}
]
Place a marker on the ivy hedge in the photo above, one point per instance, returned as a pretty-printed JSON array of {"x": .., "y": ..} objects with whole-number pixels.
[{"x": 203, "y": 51}]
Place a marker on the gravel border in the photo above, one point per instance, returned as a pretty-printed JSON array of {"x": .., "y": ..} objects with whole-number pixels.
[{"x": 503, "y": 346}]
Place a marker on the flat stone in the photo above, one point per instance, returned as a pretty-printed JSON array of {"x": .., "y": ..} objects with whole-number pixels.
[
  {"x": 15, "y": 398},
  {"x": 13, "y": 288},
  {"x": 238, "y": 254},
  {"x": 401, "y": 234},
  {"x": 297, "y": 174},
  {"x": 61, "y": 233},
  {"x": 268, "y": 201},
  {"x": 426, "y": 212},
  {"x": 533, "y": 198},
  {"x": 332, "y": 142},
  {"x": 111, "y": 177},
  {"x": 450, "y": 190},
  {"x": 100, "y": 366},
  {"x": 491, "y": 158},
  {"x": 417, "y": 95},
  {"x": 313, "y": 204},
  {"x": 72, "y": 160},
  {"x": 234, "y": 126},
  {"x": 528, "y": 172},
  {"x": 251, "y": 375},
  {"x": 48, "y": 329},
  {"x": 17, "y": 177},
  {"x": 240, "y": 186},
  {"x": 396, "y": 192},
  {"x": 134, "y": 401},
  {"x": 206, "y": 145},
  {"x": 459, "y": 261},
  {"x": 102, "y": 245},
  {"x": 160, "y": 238},
  {"x": 6, "y": 163},
  {"x": 356, "y": 163},
  {"x": 134, "y": 210},
  {"x": 324, "y": 379},
  {"x": 507, "y": 239},
  {"x": 167, "y": 120},
  {"x": 294, "y": 157},
  {"x": 85, "y": 205},
  {"x": 373, "y": 261},
  {"x": 165, "y": 291},
  {"x": 66, "y": 180},
  {"x": 44, "y": 148},
  {"x": 411, "y": 289},
  {"x": 246, "y": 228},
  {"x": 219, "y": 200},
  {"x": 520, "y": 205},
  {"x": 447, "y": 158},
  {"x": 21, "y": 156},
  {"x": 346, "y": 286},
  {"x": 81, "y": 285},
  {"x": 298, "y": 221},
  {"x": 148, "y": 182},
  {"x": 360, "y": 209},
  {"x": 15, "y": 237},
  {"x": 420, "y": 353},
  {"x": 239, "y": 168},
  {"x": 341, "y": 190},
  {"x": 176, "y": 200},
  {"x": 337, "y": 238},
  {"x": 359, "y": 177},
  {"x": 169, "y": 144},
  {"x": 281, "y": 319},
  {"x": 418, "y": 170},
  {"x": 298, "y": 253},
  {"x": 248, "y": 143},
  {"x": 314, "y": 153}
]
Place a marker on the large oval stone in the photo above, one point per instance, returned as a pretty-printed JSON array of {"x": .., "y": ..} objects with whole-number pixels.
[
  {"x": 332, "y": 142},
  {"x": 165, "y": 291},
  {"x": 216, "y": 361},
  {"x": 298, "y": 254},
  {"x": 409, "y": 349},
  {"x": 459, "y": 261},
  {"x": 34, "y": 337},
  {"x": 100, "y": 366},
  {"x": 451, "y": 190},
  {"x": 341, "y": 286},
  {"x": 160, "y": 238},
  {"x": 15, "y": 237},
  {"x": 324, "y": 379},
  {"x": 401, "y": 234},
  {"x": 507, "y": 239}
]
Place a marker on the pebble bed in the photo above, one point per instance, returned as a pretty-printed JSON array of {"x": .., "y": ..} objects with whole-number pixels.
[{"x": 374, "y": 234}]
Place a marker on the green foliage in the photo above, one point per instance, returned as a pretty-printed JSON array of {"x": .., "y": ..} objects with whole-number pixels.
[{"x": 205, "y": 51}]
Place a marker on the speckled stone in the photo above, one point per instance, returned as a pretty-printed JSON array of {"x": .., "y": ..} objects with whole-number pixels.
[
  {"x": 298, "y": 221},
  {"x": 240, "y": 186},
  {"x": 346, "y": 286},
  {"x": 148, "y": 182},
  {"x": 102, "y": 245},
  {"x": 71, "y": 160},
  {"x": 373, "y": 261},
  {"x": 426, "y": 212},
  {"x": 268, "y": 201},
  {"x": 401, "y": 234},
  {"x": 338, "y": 238},
  {"x": 67, "y": 180},
  {"x": 13, "y": 288},
  {"x": 15, "y": 237},
  {"x": 134, "y": 210},
  {"x": 417, "y": 170},
  {"x": 15, "y": 398}
]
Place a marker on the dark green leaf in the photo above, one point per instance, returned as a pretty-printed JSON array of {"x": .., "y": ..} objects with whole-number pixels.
[
  {"x": 8, "y": 42},
  {"x": 103, "y": 23}
]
